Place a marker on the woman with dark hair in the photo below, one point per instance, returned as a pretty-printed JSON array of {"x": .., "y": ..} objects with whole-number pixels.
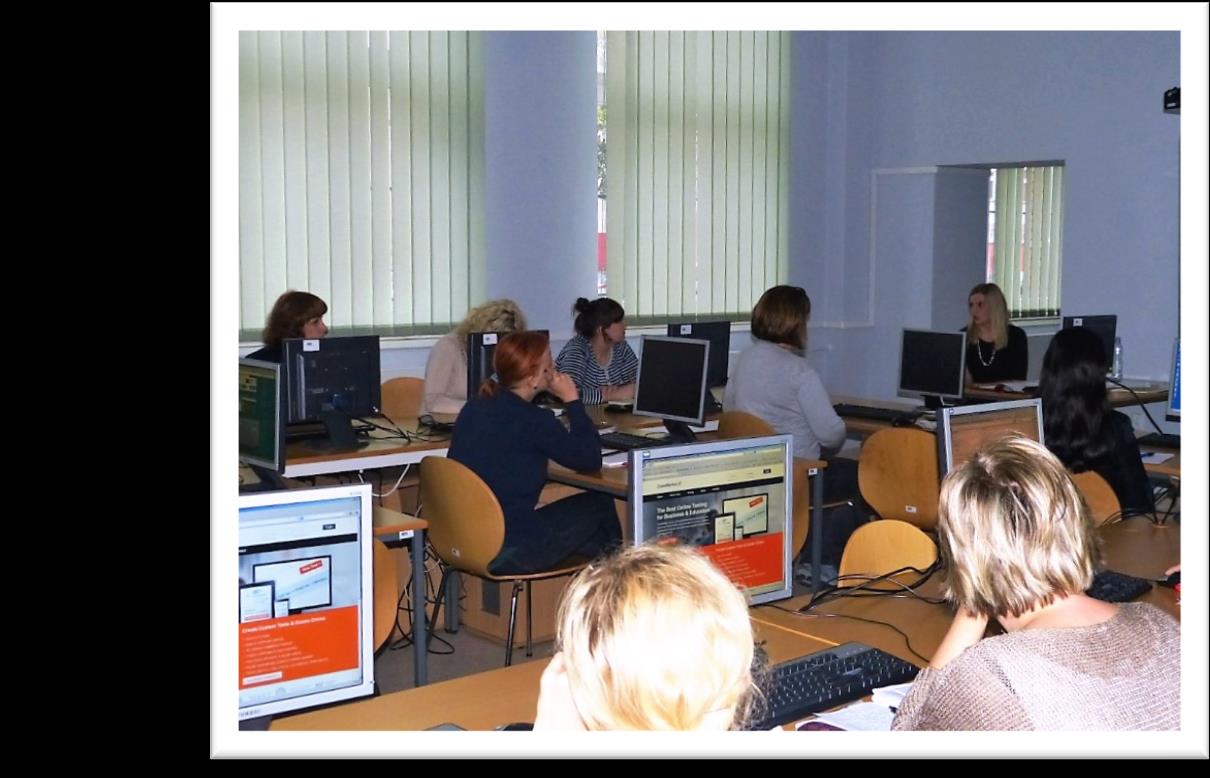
[
  {"x": 995, "y": 349},
  {"x": 508, "y": 442},
  {"x": 294, "y": 315},
  {"x": 1081, "y": 429},
  {"x": 598, "y": 358}
]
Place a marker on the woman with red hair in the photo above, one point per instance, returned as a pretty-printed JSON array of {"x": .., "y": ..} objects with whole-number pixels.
[{"x": 508, "y": 442}]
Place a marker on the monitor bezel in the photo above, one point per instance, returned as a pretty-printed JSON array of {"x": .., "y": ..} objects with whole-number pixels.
[
  {"x": 919, "y": 394},
  {"x": 635, "y": 495},
  {"x": 1172, "y": 414},
  {"x": 945, "y": 443},
  {"x": 279, "y": 431},
  {"x": 292, "y": 348},
  {"x": 675, "y": 330},
  {"x": 1098, "y": 318},
  {"x": 700, "y": 419}
]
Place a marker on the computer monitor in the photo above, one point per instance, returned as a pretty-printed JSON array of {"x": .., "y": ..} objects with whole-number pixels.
[
  {"x": 730, "y": 499},
  {"x": 963, "y": 431},
  {"x": 932, "y": 366},
  {"x": 480, "y": 351},
  {"x": 719, "y": 335},
  {"x": 333, "y": 381},
  {"x": 1104, "y": 326},
  {"x": 1174, "y": 384},
  {"x": 306, "y": 609},
  {"x": 262, "y": 415},
  {"x": 671, "y": 383}
]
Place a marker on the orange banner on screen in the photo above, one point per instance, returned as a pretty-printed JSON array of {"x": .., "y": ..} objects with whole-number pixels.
[
  {"x": 282, "y": 649},
  {"x": 750, "y": 562}
]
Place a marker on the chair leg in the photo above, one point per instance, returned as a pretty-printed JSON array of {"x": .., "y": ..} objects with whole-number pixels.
[
  {"x": 529, "y": 619},
  {"x": 512, "y": 625},
  {"x": 418, "y": 609}
]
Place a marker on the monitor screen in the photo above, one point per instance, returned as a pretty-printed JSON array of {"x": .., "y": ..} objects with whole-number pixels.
[
  {"x": 963, "y": 431},
  {"x": 306, "y": 608},
  {"x": 332, "y": 380},
  {"x": 932, "y": 364},
  {"x": 1104, "y": 326},
  {"x": 731, "y": 499},
  {"x": 480, "y": 351},
  {"x": 262, "y": 415},
  {"x": 671, "y": 384},
  {"x": 1174, "y": 383},
  {"x": 719, "y": 335}
]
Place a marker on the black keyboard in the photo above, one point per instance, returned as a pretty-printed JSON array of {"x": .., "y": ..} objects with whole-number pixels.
[
  {"x": 1111, "y": 586},
  {"x": 1161, "y": 440},
  {"x": 876, "y": 414},
  {"x": 314, "y": 430},
  {"x": 829, "y": 678},
  {"x": 625, "y": 441}
]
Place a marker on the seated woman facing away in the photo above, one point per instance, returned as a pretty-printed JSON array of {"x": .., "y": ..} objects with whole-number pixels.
[
  {"x": 652, "y": 638},
  {"x": 1081, "y": 429},
  {"x": 445, "y": 371},
  {"x": 294, "y": 315},
  {"x": 1019, "y": 546},
  {"x": 995, "y": 349},
  {"x": 597, "y": 357},
  {"x": 508, "y": 442}
]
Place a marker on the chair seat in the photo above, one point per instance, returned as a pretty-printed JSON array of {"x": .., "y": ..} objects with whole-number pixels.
[{"x": 573, "y": 564}]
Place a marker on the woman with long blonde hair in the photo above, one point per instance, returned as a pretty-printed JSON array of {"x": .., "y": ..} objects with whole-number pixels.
[
  {"x": 445, "y": 373},
  {"x": 995, "y": 349}
]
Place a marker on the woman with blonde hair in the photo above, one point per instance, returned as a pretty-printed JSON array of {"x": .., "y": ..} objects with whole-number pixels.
[
  {"x": 1018, "y": 542},
  {"x": 995, "y": 349},
  {"x": 445, "y": 372},
  {"x": 652, "y": 638}
]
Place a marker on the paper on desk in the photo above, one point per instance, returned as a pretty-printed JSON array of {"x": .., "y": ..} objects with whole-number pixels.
[
  {"x": 891, "y": 696},
  {"x": 860, "y": 717},
  {"x": 1156, "y": 457},
  {"x": 618, "y": 459}
]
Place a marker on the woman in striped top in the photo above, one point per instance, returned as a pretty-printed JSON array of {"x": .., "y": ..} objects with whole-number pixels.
[{"x": 597, "y": 357}]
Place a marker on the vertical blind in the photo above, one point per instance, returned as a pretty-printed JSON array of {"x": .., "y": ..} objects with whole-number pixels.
[
  {"x": 1028, "y": 254},
  {"x": 697, "y": 156},
  {"x": 361, "y": 175}
]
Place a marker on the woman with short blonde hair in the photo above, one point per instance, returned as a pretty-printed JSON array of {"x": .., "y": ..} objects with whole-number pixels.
[
  {"x": 652, "y": 638},
  {"x": 995, "y": 349},
  {"x": 445, "y": 372},
  {"x": 1019, "y": 546}
]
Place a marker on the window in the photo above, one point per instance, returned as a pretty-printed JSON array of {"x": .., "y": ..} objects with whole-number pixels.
[
  {"x": 361, "y": 176},
  {"x": 698, "y": 160},
  {"x": 1025, "y": 238}
]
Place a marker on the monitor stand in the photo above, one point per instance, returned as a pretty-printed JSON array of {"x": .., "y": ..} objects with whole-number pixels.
[
  {"x": 679, "y": 431},
  {"x": 269, "y": 480},
  {"x": 341, "y": 436}
]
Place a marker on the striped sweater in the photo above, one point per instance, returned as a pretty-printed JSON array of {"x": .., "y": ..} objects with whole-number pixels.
[{"x": 577, "y": 360}]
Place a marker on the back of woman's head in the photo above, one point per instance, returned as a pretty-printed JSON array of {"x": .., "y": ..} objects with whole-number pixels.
[
  {"x": 291, "y": 311},
  {"x": 657, "y": 638},
  {"x": 1075, "y": 405},
  {"x": 781, "y": 314},
  {"x": 518, "y": 356},
  {"x": 592, "y": 315},
  {"x": 1014, "y": 530},
  {"x": 501, "y": 315}
]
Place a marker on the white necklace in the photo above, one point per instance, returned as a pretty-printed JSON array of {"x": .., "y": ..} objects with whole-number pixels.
[{"x": 979, "y": 348}]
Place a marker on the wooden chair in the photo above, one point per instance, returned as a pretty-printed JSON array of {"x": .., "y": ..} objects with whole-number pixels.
[
  {"x": 402, "y": 398},
  {"x": 386, "y": 594},
  {"x": 738, "y": 424},
  {"x": 1099, "y": 495},
  {"x": 466, "y": 529},
  {"x": 882, "y": 546},
  {"x": 898, "y": 476}
]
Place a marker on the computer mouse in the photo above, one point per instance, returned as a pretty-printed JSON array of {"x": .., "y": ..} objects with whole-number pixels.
[{"x": 1171, "y": 580}]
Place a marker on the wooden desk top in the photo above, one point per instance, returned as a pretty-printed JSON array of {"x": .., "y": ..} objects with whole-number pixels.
[
  {"x": 1118, "y": 397},
  {"x": 382, "y": 451}
]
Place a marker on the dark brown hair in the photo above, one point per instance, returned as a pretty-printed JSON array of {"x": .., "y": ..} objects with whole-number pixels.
[
  {"x": 781, "y": 314},
  {"x": 291, "y": 311},
  {"x": 517, "y": 357},
  {"x": 591, "y": 315}
]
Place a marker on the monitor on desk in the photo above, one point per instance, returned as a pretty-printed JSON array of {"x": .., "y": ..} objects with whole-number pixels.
[
  {"x": 1104, "y": 326},
  {"x": 932, "y": 366},
  {"x": 730, "y": 499},
  {"x": 963, "y": 431},
  {"x": 332, "y": 380},
  {"x": 480, "y": 351},
  {"x": 262, "y": 415},
  {"x": 1174, "y": 383},
  {"x": 671, "y": 383},
  {"x": 306, "y": 606},
  {"x": 719, "y": 335}
]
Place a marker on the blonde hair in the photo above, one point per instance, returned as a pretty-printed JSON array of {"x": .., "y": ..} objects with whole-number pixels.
[
  {"x": 1014, "y": 531},
  {"x": 997, "y": 309},
  {"x": 502, "y": 315},
  {"x": 656, "y": 638}
]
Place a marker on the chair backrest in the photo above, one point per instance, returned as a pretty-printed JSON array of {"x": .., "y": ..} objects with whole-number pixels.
[
  {"x": 898, "y": 476},
  {"x": 1099, "y": 495},
  {"x": 466, "y": 523},
  {"x": 739, "y": 424},
  {"x": 402, "y": 397},
  {"x": 386, "y": 593},
  {"x": 881, "y": 546}
]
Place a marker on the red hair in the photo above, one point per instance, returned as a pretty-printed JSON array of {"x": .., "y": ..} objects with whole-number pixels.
[{"x": 518, "y": 356}]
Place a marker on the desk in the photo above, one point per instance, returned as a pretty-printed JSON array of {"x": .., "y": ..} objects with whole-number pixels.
[
  {"x": 1118, "y": 397},
  {"x": 301, "y": 460},
  {"x": 391, "y": 526}
]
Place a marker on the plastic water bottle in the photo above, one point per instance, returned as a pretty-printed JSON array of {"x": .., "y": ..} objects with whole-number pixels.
[{"x": 1117, "y": 358}]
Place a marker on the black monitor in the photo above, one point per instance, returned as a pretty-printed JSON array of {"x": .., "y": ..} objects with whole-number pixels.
[
  {"x": 480, "y": 351},
  {"x": 262, "y": 415},
  {"x": 719, "y": 335},
  {"x": 333, "y": 381},
  {"x": 932, "y": 366},
  {"x": 1174, "y": 384},
  {"x": 1105, "y": 326},
  {"x": 671, "y": 384}
]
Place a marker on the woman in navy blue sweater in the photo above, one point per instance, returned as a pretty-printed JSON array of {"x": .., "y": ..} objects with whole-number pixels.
[{"x": 508, "y": 442}]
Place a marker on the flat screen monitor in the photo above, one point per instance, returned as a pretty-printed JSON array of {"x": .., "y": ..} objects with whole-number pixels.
[
  {"x": 1104, "y": 326},
  {"x": 671, "y": 383},
  {"x": 480, "y": 351},
  {"x": 729, "y": 499},
  {"x": 719, "y": 335},
  {"x": 333, "y": 381},
  {"x": 306, "y": 610},
  {"x": 1174, "y": 383},
  {"x": 963, "y": 431},
  {"x": 932, "y": 365},
  {"x": 262, "y": 415}
]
